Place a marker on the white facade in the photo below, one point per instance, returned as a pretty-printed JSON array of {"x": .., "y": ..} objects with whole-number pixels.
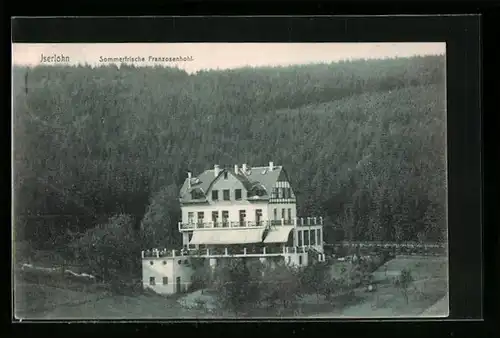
[
  {"x": 243, "y": 211},
  {"x": 166, "y": 275}
]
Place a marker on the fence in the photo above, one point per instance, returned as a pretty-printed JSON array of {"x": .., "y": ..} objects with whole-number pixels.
[
  {"x": 304, "y": 221},
  {"x": 227, "y": 251},
  {"x": 408, "y": 248}
]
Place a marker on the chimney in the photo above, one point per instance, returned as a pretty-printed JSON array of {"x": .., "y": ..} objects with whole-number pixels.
[
  {"x": 189, "y": 179},
  {"x": 244, "y": 167},
  {"x": 236, "y": 168},
  {"x": 216, "y": 170},
  {"x": 271, "y": 166}
]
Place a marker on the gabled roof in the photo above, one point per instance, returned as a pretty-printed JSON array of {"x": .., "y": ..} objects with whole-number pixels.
[{"x": 254, "y": 176}]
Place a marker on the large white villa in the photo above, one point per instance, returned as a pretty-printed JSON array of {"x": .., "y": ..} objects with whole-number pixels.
[{"x": 242, "y": 211}]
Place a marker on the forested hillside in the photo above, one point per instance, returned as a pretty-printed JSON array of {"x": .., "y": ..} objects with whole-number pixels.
[{"x": 363, "y": 142}]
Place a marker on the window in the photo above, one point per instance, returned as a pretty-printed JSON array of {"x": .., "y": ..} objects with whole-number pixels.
[
  {"x": 280, "y": 192},
  {"x": 300, "y": 260},
  {"x": 243, "y": 216},
  {"x": 197, "y": 194},
  {"x": 215, "y": 195},
  {"x": 283, "y": 213},
  {"x": 290, "y": 214},
  {"x": 275, "y": 211},
  {"x": 318, "y": 237},
  {"x": 225, "y": 175},
  {"x": 274, "y": 193},
  {"x": 225, "y": 217},
  {"x": 306, "y": 237},
  {"x": 190, "y": 217},
  {"x": 237, "y": 194},
  {"x": 201, "y": 217},
  {"x": 152, "y": 281},
  {"x": 313, "y": 237},
  {"x": 288, "y": 193},
  {"x": 299, "y": 234},
  {"x": 165, "y": 280},
  {"x": 226, "y": 194},
  {"x": 260, "y": 191},
  {"x": 215, "y": 217},
  {"x": 258, "y": 216}
]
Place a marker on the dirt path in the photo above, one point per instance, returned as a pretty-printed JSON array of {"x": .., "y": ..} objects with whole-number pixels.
[{"x": 437, "y": 310}]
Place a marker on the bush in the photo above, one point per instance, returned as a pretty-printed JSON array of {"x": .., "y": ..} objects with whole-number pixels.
[
  {"x": 281, "y": 285},
  {"x": 314, "y": 278},
  {"x": 232, "y": 286},
  {"x": 242, "y": 285}
]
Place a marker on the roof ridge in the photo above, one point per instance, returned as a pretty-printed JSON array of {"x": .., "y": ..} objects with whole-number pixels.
[{"x": 257, "y": 175}]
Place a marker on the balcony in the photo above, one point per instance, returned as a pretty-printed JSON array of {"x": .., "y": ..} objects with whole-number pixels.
[
  {"x": 226, "y": 252},
  {"x": 305, "y": 221},
  {"x": 247, "y": 252},
  {"x": 162, "y": 253}
]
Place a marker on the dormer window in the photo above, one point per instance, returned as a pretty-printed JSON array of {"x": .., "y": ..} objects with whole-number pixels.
[
  {"x": 197, "y": 194},
  {"x": 225, "y": 175},
  {"x": 258, "y": 191}
]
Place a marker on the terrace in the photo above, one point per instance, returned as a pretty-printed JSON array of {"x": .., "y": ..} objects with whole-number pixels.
[
  {"x": 307, "y": 221},
  {"x": 225, "y": 252}
]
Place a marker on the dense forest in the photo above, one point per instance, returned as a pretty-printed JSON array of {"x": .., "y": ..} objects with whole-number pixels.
[{"x": 363, "y": 141}]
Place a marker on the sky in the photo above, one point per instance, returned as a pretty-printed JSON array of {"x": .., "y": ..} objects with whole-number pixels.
[{"x": 204, "y": 56}]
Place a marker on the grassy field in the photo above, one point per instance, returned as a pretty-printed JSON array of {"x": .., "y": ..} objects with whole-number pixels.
[
  {"x": 429, "y": 286},
  {"x": 125, "y": 307},
  {"x": 422, "y": 268},
  {"x": 46, "y": 302},
  {"x": 34, "y": 300}
]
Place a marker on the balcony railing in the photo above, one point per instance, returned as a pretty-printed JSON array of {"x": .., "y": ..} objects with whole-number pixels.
[
  {"x": 225, "y": 252},
  {"x": 160, "y": 253},
  {"x": 305, "y": 221}
]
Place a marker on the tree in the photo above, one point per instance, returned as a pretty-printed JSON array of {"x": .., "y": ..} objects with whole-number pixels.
[
  {"x": 202, "y": 276},
  {"x": 281, "y": 285},
  {"x": 255, "y": 273},
  {"x": 348, "y": 224},
  {"x": 109, "y": 250},
  {"x": 403, "y": 282},
  {"x": 93, "y": 142},
  {"x": 315, "y": 278},
  {"x": 159, "y": 225},
  {"x": 231, "y": 283}
]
